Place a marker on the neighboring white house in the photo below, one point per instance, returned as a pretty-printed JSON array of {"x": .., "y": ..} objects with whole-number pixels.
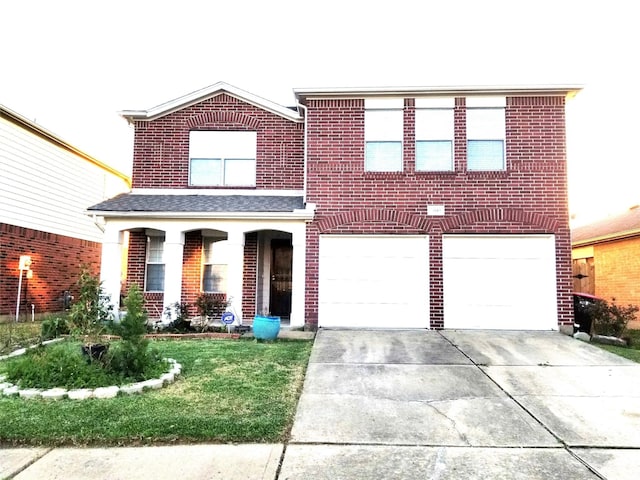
[{"x": 46, "y": 184}]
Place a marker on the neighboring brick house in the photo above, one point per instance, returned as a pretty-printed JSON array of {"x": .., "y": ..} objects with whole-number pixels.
[
  {"x": 606, "y": 258},
  {"x": 384, "y": 208},
  {"x": 46, "y": 184}
]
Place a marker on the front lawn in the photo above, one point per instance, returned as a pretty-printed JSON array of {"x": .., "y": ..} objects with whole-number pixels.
[
  {"x": 230, "y": 391},
  {"x": 632, "y": 352}
]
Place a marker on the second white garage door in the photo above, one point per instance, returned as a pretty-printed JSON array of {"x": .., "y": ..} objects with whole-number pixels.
[
  {"x": 376, "y": 281},
  {"x": 499, "y": 282}
]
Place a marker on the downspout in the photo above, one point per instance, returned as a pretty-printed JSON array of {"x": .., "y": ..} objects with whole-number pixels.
[
  {"x": 98, "y": 224},
  {"x": 304, "y": 155}
]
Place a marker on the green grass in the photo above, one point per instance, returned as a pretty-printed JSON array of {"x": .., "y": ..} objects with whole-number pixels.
[
  {"x": 230, "y": 391},
  {"x": 17, "y": 335},
  {"x": 632, "y": 352}
]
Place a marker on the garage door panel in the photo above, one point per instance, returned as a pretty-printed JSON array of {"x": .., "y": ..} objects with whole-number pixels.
[
  {"x": 528, "y": 247},
  {"x": 387, "y": 316},
  {"x": 373, "y": 281},
  {"x": 498, "y": 282}
]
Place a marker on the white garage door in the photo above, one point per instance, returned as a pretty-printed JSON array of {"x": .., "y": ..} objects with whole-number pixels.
[
  {"x": 499, "y": 282},
  {"x": 373, "y": 281}
]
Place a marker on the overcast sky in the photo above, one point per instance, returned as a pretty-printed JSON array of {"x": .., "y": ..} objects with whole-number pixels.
[{"x": 72, "y": 65}]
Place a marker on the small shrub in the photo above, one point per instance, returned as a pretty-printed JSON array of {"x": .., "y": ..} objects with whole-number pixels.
[
  {"x": 131, "y": 363},
  {"x": 54, "y": 327},
  {"x": 610, "y": 319},
  {"x": 131, "y": 358},
  {"x": 210, "y": 307},
  {"x": 91, "y": 312},
  {"x": 179, "y": 312}
]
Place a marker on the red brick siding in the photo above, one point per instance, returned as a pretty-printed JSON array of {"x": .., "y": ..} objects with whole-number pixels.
[
  {"x": 136, "y": 258},
  {"x": 192, "y": 269},
  {"x": 56, "y": 266},
  {"x": 161, "y": 147},
  {"x": 617, "y": 266},
  {"x": 529, "y": 197},
  {"x": 249, "y": 277}
]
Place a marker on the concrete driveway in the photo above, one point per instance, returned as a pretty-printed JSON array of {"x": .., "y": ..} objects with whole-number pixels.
[{"x": 464, "y": 404}]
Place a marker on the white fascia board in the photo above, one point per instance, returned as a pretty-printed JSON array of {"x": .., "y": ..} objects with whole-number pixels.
[
  {"x": 217, "y": 192},
  {"x": 209, "y": 92},
  {"x": 607, "y": 238},
  {"x": 54, "y": 139},
  {"x": 461, "y": 91},
  {"x": 306, "y": 214}
]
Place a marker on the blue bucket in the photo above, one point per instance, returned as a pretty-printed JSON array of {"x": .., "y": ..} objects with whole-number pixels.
[{"x": 265, "y": 327}]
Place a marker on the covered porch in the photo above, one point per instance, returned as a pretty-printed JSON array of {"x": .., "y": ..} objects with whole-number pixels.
[{"x": 247, "y": 249}]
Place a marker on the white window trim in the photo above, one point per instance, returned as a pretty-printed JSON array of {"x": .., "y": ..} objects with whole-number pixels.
[
  {"x": 396, "y": 137},
  {"x": 147, "y": 262},
  {"x": 436, "y": 104},
  {"x": 211, "y": 240},
  {"x": 487, "y": 103},
  {"x": 225, "y": 152}
]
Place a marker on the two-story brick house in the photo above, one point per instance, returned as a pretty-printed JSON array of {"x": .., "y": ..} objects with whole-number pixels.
[{"x": 388, "y": 208}]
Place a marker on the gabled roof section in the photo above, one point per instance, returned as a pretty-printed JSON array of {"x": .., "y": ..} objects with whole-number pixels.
[
  {"x": 302, "y": 94},
  {"x": 620, "y": 226},
  {"x": 205, "y": 94},
  {"x": 45, "y": 134}
]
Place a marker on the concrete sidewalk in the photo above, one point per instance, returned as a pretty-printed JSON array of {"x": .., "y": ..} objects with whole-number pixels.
[
  {"x": 232, "y": 462},
  {"x": 415, "y": 404}
]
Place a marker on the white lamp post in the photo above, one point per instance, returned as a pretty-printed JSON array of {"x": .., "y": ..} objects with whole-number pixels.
[{"x": 25, "y": 264}]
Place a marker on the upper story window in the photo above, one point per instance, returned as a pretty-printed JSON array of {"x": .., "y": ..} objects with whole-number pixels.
[
  {"x": 434, "y": 134},
  {"x": 154, "y": 274},
  {"x": 218, "y": 158},
  {"x": 383, "y": 133},
  {"x": 214, "y": 271},
  {"x": 486, "y": 133}
]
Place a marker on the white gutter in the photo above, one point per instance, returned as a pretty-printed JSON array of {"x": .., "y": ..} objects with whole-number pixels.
[
  {"x": 606, "y": 238},
  {"x": 462, "y": 90},
  {"x": 297, "y": 214}
]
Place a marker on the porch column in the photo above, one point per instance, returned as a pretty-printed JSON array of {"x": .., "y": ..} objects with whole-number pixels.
[
  {"x": 298, "y": 278},
  {"x": 173, "y": 254},
  {"x": 111, "y": 265},
  {"x": 235, "y": 265}
]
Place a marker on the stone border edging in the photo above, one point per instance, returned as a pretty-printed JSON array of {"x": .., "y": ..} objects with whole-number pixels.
[{"x": 9, "y": 389}]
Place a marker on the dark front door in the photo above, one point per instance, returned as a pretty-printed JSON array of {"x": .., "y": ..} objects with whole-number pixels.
[{"x": 280, "y": 296}]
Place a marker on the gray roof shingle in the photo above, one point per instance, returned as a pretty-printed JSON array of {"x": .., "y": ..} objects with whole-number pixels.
[
  {"x": 615, "y": 226},
  {"x": 129, "y": 202}
]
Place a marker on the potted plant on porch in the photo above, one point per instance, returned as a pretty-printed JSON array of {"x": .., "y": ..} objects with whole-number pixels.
[
  {"x": 266, "y": 326},
  {"x": 88, "y": 317}
]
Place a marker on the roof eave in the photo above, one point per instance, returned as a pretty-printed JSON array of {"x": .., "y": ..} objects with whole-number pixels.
[
  {"x": 521, "y": 90},
  {"x": 298, "y": 214},
  {"x": 204, "y": 94},
  {"x": 42, "y": 132},
  {"x": 606, "y": 238}
]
